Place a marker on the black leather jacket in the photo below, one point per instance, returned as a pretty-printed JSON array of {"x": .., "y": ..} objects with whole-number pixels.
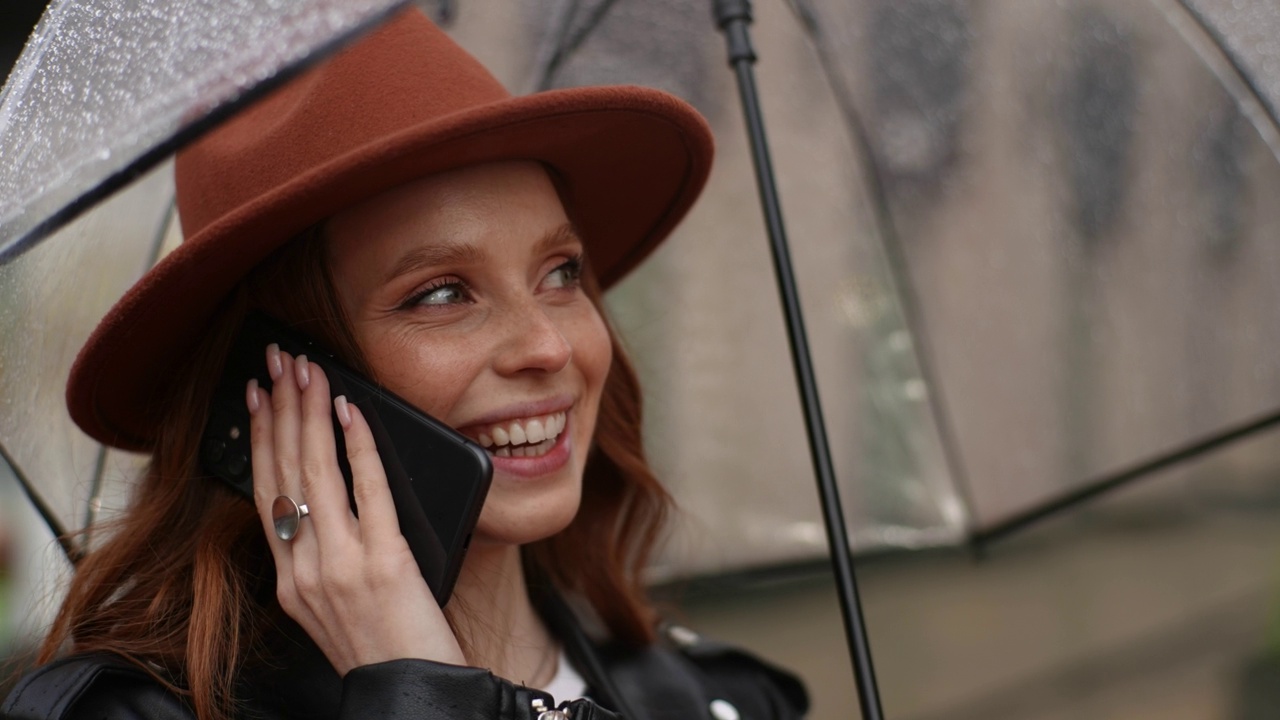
[{"x": 682, "y": 676}]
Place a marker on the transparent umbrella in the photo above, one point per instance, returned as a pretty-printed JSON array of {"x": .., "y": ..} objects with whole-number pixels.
[{"x": 1032, "y": 238}]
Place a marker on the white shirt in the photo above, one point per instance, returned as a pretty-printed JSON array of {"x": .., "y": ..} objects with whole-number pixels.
[{"x": 567, "y": 684}]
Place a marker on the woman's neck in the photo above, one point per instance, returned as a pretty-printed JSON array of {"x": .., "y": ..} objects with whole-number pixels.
[{"x": 494, "y": 619}]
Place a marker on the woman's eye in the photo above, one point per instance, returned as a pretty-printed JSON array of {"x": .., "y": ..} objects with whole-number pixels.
[
  {"x": 565, "y": 275},
  {"x": 446, "y": 293}
]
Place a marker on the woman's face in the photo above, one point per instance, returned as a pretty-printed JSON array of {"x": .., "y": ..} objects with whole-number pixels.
[{"x": 463, "y": 293}]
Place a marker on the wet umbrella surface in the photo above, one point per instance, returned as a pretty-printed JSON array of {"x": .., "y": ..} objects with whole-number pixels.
[{"x": 1035, "y": 242}]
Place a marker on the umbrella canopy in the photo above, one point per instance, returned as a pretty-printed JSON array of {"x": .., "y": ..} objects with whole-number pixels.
[{"x": 1072, "y": 194}]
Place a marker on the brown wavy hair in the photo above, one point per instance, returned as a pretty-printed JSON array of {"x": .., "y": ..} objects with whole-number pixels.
[{"x": 184, "y": 585}]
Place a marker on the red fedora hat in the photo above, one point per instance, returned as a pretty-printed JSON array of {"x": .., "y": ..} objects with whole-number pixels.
[{"x": 400, "y": 104}]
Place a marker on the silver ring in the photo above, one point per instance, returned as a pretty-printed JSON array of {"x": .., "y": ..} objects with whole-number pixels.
[{"x": 286, "y": 515}]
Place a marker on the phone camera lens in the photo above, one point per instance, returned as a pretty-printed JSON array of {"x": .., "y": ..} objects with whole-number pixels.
[
  {"x": 215, "y": 450},
  {"x": 237, "y": 465}
]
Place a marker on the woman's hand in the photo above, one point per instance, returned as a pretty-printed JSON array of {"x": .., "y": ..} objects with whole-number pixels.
[{"x": 352, "y": 584}]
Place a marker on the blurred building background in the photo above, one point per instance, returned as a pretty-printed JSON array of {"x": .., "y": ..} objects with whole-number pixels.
[{"x": 1036, "y": 245}]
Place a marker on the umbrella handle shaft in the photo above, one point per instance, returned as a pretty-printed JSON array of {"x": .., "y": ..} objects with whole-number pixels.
[{"x": 733, "y": 17}]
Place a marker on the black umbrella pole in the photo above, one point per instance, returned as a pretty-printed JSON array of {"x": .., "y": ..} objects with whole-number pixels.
[{"x": 733, "y": 18}]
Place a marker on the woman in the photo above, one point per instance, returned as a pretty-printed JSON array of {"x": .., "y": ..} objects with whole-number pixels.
[{"x": 449, "y": 241}]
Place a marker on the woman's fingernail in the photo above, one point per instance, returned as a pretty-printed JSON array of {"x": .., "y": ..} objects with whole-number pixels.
[
  {"x": 303, "y": 372},
  {"x": 274, "y": 365},
  {"x": 344, "y": 411},
  {"x": 251, "y": 396}
]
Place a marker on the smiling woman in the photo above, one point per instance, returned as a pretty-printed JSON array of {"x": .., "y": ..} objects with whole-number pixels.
[
  {"x": 485, "y": 326},
  {"x": 451, "y": 243}
]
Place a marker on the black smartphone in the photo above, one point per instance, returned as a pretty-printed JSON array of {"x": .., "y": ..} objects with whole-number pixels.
[{"x": 438, "y": 477}]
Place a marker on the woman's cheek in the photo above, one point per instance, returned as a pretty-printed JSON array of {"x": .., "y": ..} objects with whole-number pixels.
[
  {"x": 431, "y": 375},
  {"x": 597, "y": 350}
]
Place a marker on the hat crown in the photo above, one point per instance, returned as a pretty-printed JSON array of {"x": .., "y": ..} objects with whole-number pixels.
[{"x": 402, "y": 75}]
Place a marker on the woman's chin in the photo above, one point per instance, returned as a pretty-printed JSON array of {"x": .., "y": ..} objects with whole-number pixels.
[{"x": 514, "y": 518}]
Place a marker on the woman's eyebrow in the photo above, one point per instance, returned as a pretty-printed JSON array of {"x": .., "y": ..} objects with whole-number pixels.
[
  {"x": 434, "y": 256},
  {"x": 557, "y": 238},
  {"x": 469, "y": 254}
]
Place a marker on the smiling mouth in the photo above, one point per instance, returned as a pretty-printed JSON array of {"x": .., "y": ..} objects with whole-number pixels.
[{"x": 525, "y": 437}]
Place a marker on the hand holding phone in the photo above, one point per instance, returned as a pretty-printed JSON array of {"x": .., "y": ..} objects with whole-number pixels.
[
  {"x": 437, "y": 477},
  {"x": 351, "y": 583}
]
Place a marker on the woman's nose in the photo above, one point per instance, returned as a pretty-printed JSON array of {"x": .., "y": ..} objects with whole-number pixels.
[{"x": 533, "y": 342}]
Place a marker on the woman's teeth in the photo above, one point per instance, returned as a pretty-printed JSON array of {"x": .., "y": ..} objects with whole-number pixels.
[
  {"x": 529, "y": 437},
  {"x": 541, "y": 448}
]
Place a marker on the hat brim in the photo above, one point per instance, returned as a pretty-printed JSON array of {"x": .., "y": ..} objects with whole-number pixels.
[{"x": 629, "y": 163}]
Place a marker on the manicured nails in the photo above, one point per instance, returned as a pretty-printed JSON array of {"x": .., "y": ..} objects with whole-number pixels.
[
  {"x": 302, "y": 371},
  {"x": 251, "y": 396},
  {"x": 274, "y": 365},
  {"x": 343, "y": 410}
]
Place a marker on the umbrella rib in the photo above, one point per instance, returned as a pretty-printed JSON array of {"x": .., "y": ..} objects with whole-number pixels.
[
  {"x": 1099, "y": 486},
  {"x": 898, "y": 275},
  {"x": 596, "y": 17},
  {"x": 554, "y": 60},
  {"x": 1212, "y": 48},
  {"x": 95, "y": 494},
  {"x": 567, "y": 44},
  {"x": 99, "y": 471},
  {"x": 157, "y": 240},
  {"x": 72, "y": 552}
]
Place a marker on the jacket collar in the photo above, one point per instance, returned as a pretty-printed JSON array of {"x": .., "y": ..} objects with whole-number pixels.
[{"x": 295, "y": 680}]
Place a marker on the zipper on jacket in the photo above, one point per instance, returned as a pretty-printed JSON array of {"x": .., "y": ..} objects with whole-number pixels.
[{"x": 545, "y": 713}]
